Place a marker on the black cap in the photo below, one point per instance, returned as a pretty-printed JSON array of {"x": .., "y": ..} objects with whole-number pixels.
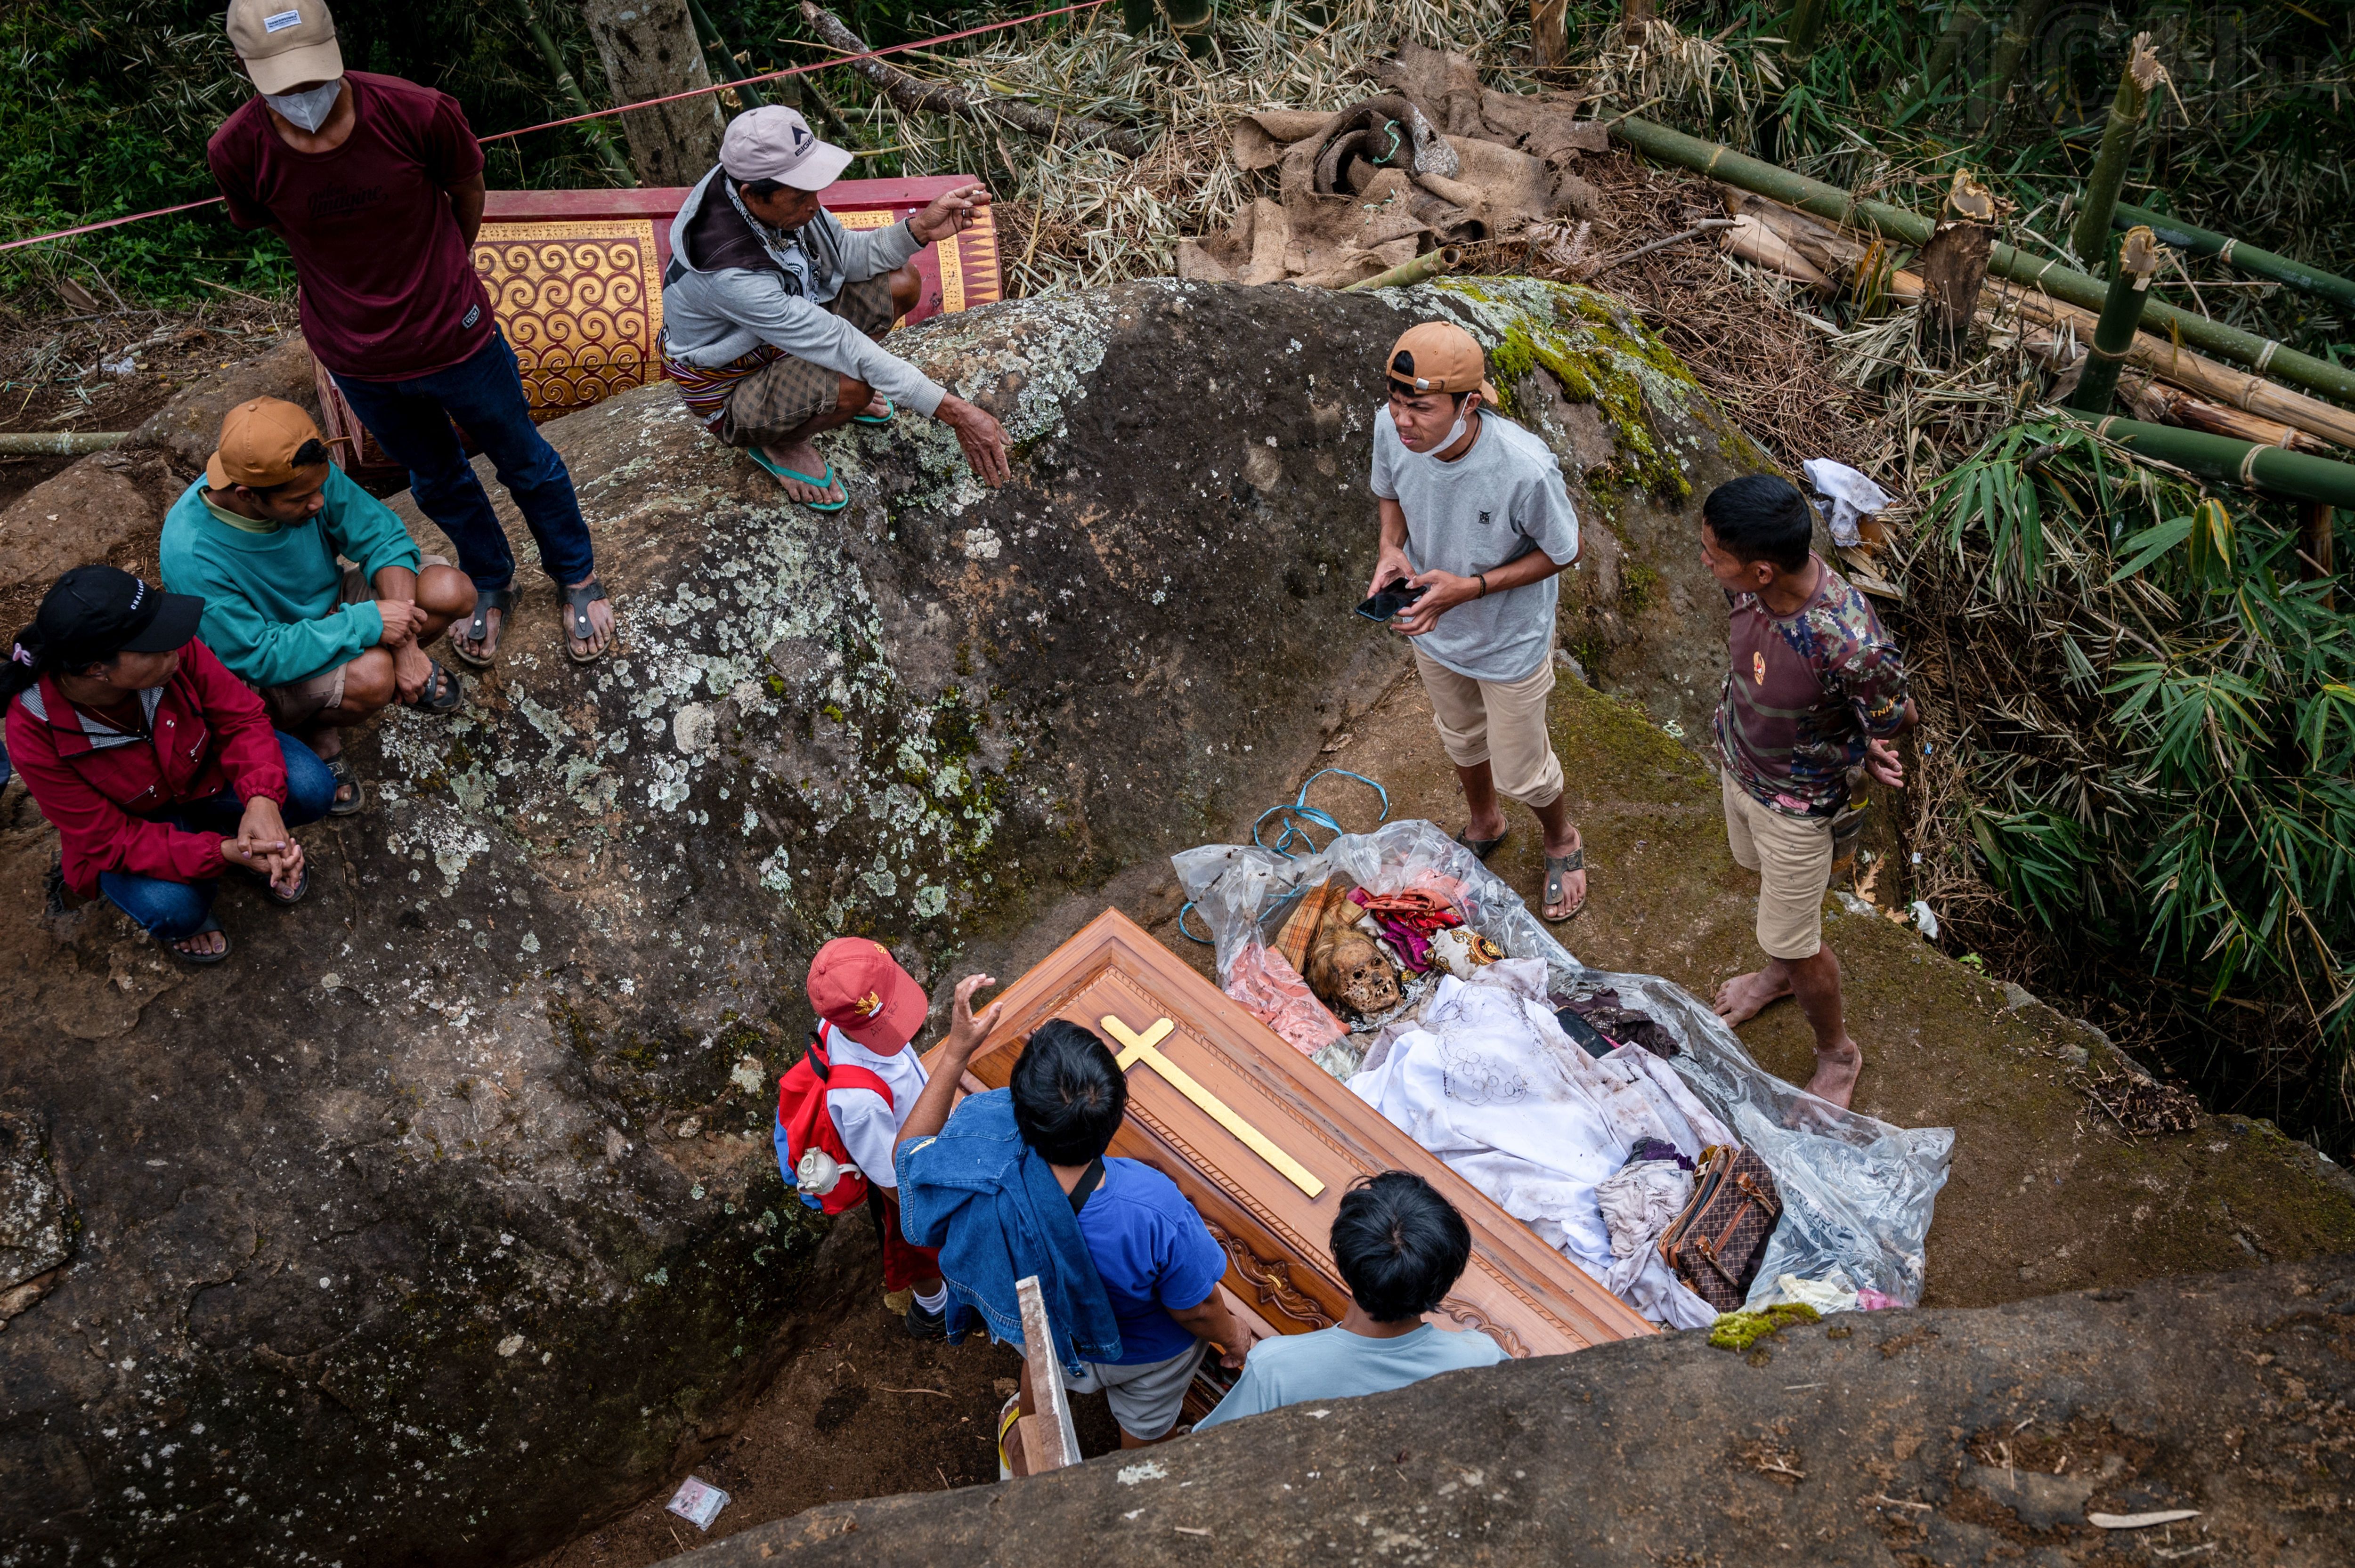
[{"x": 92, "y": 614}]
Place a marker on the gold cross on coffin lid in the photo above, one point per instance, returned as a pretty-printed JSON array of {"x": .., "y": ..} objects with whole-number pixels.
[{"x": 1145, "y": 1048}]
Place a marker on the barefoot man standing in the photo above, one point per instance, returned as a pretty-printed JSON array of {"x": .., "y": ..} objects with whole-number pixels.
[{"x": 1815, "y": 691}]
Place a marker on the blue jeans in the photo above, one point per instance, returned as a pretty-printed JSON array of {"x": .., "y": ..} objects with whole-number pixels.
[
  {"x": 410, "y": 420},
  {"x": 171, "y": 910}
]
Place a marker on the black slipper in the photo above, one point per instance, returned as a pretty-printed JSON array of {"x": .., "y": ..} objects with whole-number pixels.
[
  {"x": 172, "y": 946},
  {"x": 1482, "y": 848}
]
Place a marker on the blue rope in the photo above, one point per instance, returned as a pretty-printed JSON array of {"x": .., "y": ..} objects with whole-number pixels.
[{"x": 1301, "y": 817}]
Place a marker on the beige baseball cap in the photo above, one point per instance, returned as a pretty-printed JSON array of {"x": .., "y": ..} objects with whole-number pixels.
[
  {"x": 284, "y": 43},
  {"x": 774, "y": 142},
  {"x": 1440, "y": 357}
]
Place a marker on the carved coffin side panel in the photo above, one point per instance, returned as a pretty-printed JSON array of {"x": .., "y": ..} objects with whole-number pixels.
[{"x": 1270, "y": 1281}]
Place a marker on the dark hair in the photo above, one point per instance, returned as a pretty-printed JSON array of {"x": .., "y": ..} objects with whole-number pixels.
[
  {"x": 310, "y": 454},
  {"x": 1759, "y": 517},
  {"x": 1069, "y": 1093},
  {"x": 1399, "y": 1246},
  {"x": 763, "y": 189}
]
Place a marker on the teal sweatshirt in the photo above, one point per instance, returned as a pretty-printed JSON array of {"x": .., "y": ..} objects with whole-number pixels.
[{"x": 271, "y": 609}]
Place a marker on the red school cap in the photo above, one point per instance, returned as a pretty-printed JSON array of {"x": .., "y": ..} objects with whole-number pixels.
[{"x": 859, "y": 988}]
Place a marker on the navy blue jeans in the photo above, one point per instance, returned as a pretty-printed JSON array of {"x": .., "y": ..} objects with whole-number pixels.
[
  {"x": 171, "y": 910},
  {"x": 410, "y": 420}
]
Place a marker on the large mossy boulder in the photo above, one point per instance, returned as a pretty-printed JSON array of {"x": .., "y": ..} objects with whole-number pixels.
[{"x": 444, "y": 1212}]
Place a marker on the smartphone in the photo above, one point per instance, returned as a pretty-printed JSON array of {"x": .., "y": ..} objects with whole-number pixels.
[{"x": 1387, "y": 602}]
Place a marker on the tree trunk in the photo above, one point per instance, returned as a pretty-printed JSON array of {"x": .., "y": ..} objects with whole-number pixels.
[
  {"x": 1632, "y": 15},
  {"x": 2313, "y": 544},
  {"x": 1549, "y": 34},
  {"x": 2011, "y": 51},
  {"x": 650, "y": 50}
]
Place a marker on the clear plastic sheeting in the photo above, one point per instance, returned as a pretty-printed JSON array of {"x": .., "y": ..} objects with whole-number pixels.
[{"x": 1857, "y": 1192}]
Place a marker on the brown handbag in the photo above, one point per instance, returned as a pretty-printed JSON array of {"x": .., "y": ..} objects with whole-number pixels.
[{"x": 1714, "y": 1245}]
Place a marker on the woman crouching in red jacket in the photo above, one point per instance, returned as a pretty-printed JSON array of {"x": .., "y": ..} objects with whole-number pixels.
[{"x": 156, "y": 765}]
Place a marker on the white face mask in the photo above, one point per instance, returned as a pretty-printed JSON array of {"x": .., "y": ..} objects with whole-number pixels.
[
  {"x": 1455, "y": 434},
  {"x": 309, "y": 110}
]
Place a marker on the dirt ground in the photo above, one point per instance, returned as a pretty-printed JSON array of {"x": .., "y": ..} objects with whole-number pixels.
[{"x": 55, "y": 375}]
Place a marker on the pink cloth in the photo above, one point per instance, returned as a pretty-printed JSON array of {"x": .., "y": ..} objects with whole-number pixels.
[{"x": 1265, "y": 982}]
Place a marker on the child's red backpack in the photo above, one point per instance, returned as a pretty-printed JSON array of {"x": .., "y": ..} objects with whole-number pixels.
[{"x": 803, "y": 1123}]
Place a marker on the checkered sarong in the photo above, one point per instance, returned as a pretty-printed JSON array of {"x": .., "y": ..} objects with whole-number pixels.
[{"x": 761, "y": 398}]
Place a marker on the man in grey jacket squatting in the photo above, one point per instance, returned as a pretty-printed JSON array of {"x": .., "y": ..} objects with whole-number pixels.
[{"x": 772, "y": 309}]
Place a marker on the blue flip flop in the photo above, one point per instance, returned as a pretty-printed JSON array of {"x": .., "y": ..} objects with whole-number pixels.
[
  {"x": 890, "y": 408},
  {"x": 781, "y": 471}
]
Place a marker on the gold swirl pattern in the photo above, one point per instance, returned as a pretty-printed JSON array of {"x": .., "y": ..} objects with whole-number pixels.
[{"x": 580, "y": 302}]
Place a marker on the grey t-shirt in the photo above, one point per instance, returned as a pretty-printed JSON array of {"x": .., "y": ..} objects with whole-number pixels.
[
  {"x": 1334, "y": 1364},
  {"x": 1494, "y": 505}
]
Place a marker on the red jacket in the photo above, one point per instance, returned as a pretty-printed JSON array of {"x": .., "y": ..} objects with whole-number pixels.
[{"x": 101, "y": 790}]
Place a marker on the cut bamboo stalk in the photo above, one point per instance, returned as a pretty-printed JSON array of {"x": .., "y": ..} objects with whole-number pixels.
[
  {"x": 1423, "y": 268},
  {"x": 2064, "y": 283},
  {"x": 2142, "y": 75},
  {"x": 2314, "y": 547},
  {"x": 938, "y": 98},
  {"x": 2272, "y": 408},
  {"x": 57, "y": 443},
  {"x": 2244, "y": 464},
  {"x": 1955, "y": 263},
  {"x": 2121, "y": 318},
  {"x": 2155, "y": 402},
  {"x": 2232, "y": 253}
]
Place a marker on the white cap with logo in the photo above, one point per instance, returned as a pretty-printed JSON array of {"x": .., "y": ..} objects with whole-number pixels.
[
  {"x": 774, "y": 142},
  {"x": 284, "y": 43}
]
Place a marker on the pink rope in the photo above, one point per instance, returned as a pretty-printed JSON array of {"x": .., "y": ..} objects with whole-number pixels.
[{"x": 621, "y": 109}]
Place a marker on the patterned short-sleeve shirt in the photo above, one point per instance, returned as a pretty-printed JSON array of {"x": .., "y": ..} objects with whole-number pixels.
[{"x": 1803, "y": 695}]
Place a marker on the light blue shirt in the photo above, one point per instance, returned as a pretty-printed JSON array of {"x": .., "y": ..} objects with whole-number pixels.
[{"x": 1334, "y": 1364}]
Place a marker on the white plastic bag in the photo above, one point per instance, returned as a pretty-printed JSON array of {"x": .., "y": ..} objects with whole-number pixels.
[{"x": 1857, "y": 1192}]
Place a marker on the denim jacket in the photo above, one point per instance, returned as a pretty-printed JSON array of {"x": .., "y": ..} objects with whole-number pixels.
[{"x": 996, "y": 1211}]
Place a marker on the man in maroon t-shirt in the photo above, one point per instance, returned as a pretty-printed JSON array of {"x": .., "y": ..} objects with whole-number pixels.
[{"x": 376, "y": 184}]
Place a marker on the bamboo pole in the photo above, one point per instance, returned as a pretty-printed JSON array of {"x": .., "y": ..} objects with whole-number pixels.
[
  {"x": 609, "y": 155},
  {"x": 2157, "y": 403},
  {"x": 2061, "y": 283},
  {"x": 2232, "y": 253},
  {"x": 2121, "y": 318},
  {"x": 716, "y": 42},
  {"x": 1805, "y": 30},
  {"x": 57, "y": 443},
  {"x": 1777, "y": 235},
  {"x": 1962, "y": 21},
  {"x": 2091, "y": 238},
  {"x": 2244, "y": 464},
  {"x": 1428, "y": 265},
  {"x": 2010, "y": 50}
]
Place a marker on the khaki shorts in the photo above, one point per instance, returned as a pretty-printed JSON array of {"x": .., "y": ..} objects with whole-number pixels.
[
  {"x": 297, "y": 703},
  {"x": 1793, "y": 858},
  {"x": 1501, "y": 722},
  {"x": 1145, "y": 1398},
  {"x": 788, "y": 393}
]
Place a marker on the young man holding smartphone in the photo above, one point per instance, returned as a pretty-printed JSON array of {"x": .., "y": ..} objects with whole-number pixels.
[{"x": 1480, "y": 503}]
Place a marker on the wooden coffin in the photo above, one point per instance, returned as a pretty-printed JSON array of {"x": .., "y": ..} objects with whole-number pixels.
[
  {"x": 1264, "y": 1143},
  {"x": 575, "y": 281}
]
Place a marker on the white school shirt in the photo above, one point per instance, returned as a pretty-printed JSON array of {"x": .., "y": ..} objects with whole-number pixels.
[{"x": 868, "y": 1126}]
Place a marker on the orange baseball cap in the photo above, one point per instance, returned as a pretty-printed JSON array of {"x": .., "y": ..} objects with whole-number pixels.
[
  {"x": 859, "y": 988},
  {"x": 260, "y": 443},
  {"x": 1440, "y": 357}
]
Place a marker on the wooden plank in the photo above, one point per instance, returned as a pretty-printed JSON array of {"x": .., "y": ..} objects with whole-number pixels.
[
  {"x": 1276, "y": 1231},
  {"x": 1049, "y": 1442}
]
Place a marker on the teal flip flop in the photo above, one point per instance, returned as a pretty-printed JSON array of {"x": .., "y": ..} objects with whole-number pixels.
[
  {"x": 890, "y": 408},
  {"x": 781, "y": 471}
]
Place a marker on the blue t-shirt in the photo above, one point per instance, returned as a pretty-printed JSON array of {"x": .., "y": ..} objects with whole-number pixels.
[
  {"x": 1153, "y": 1252},
  {"x": 1334, "y": 1364}
]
